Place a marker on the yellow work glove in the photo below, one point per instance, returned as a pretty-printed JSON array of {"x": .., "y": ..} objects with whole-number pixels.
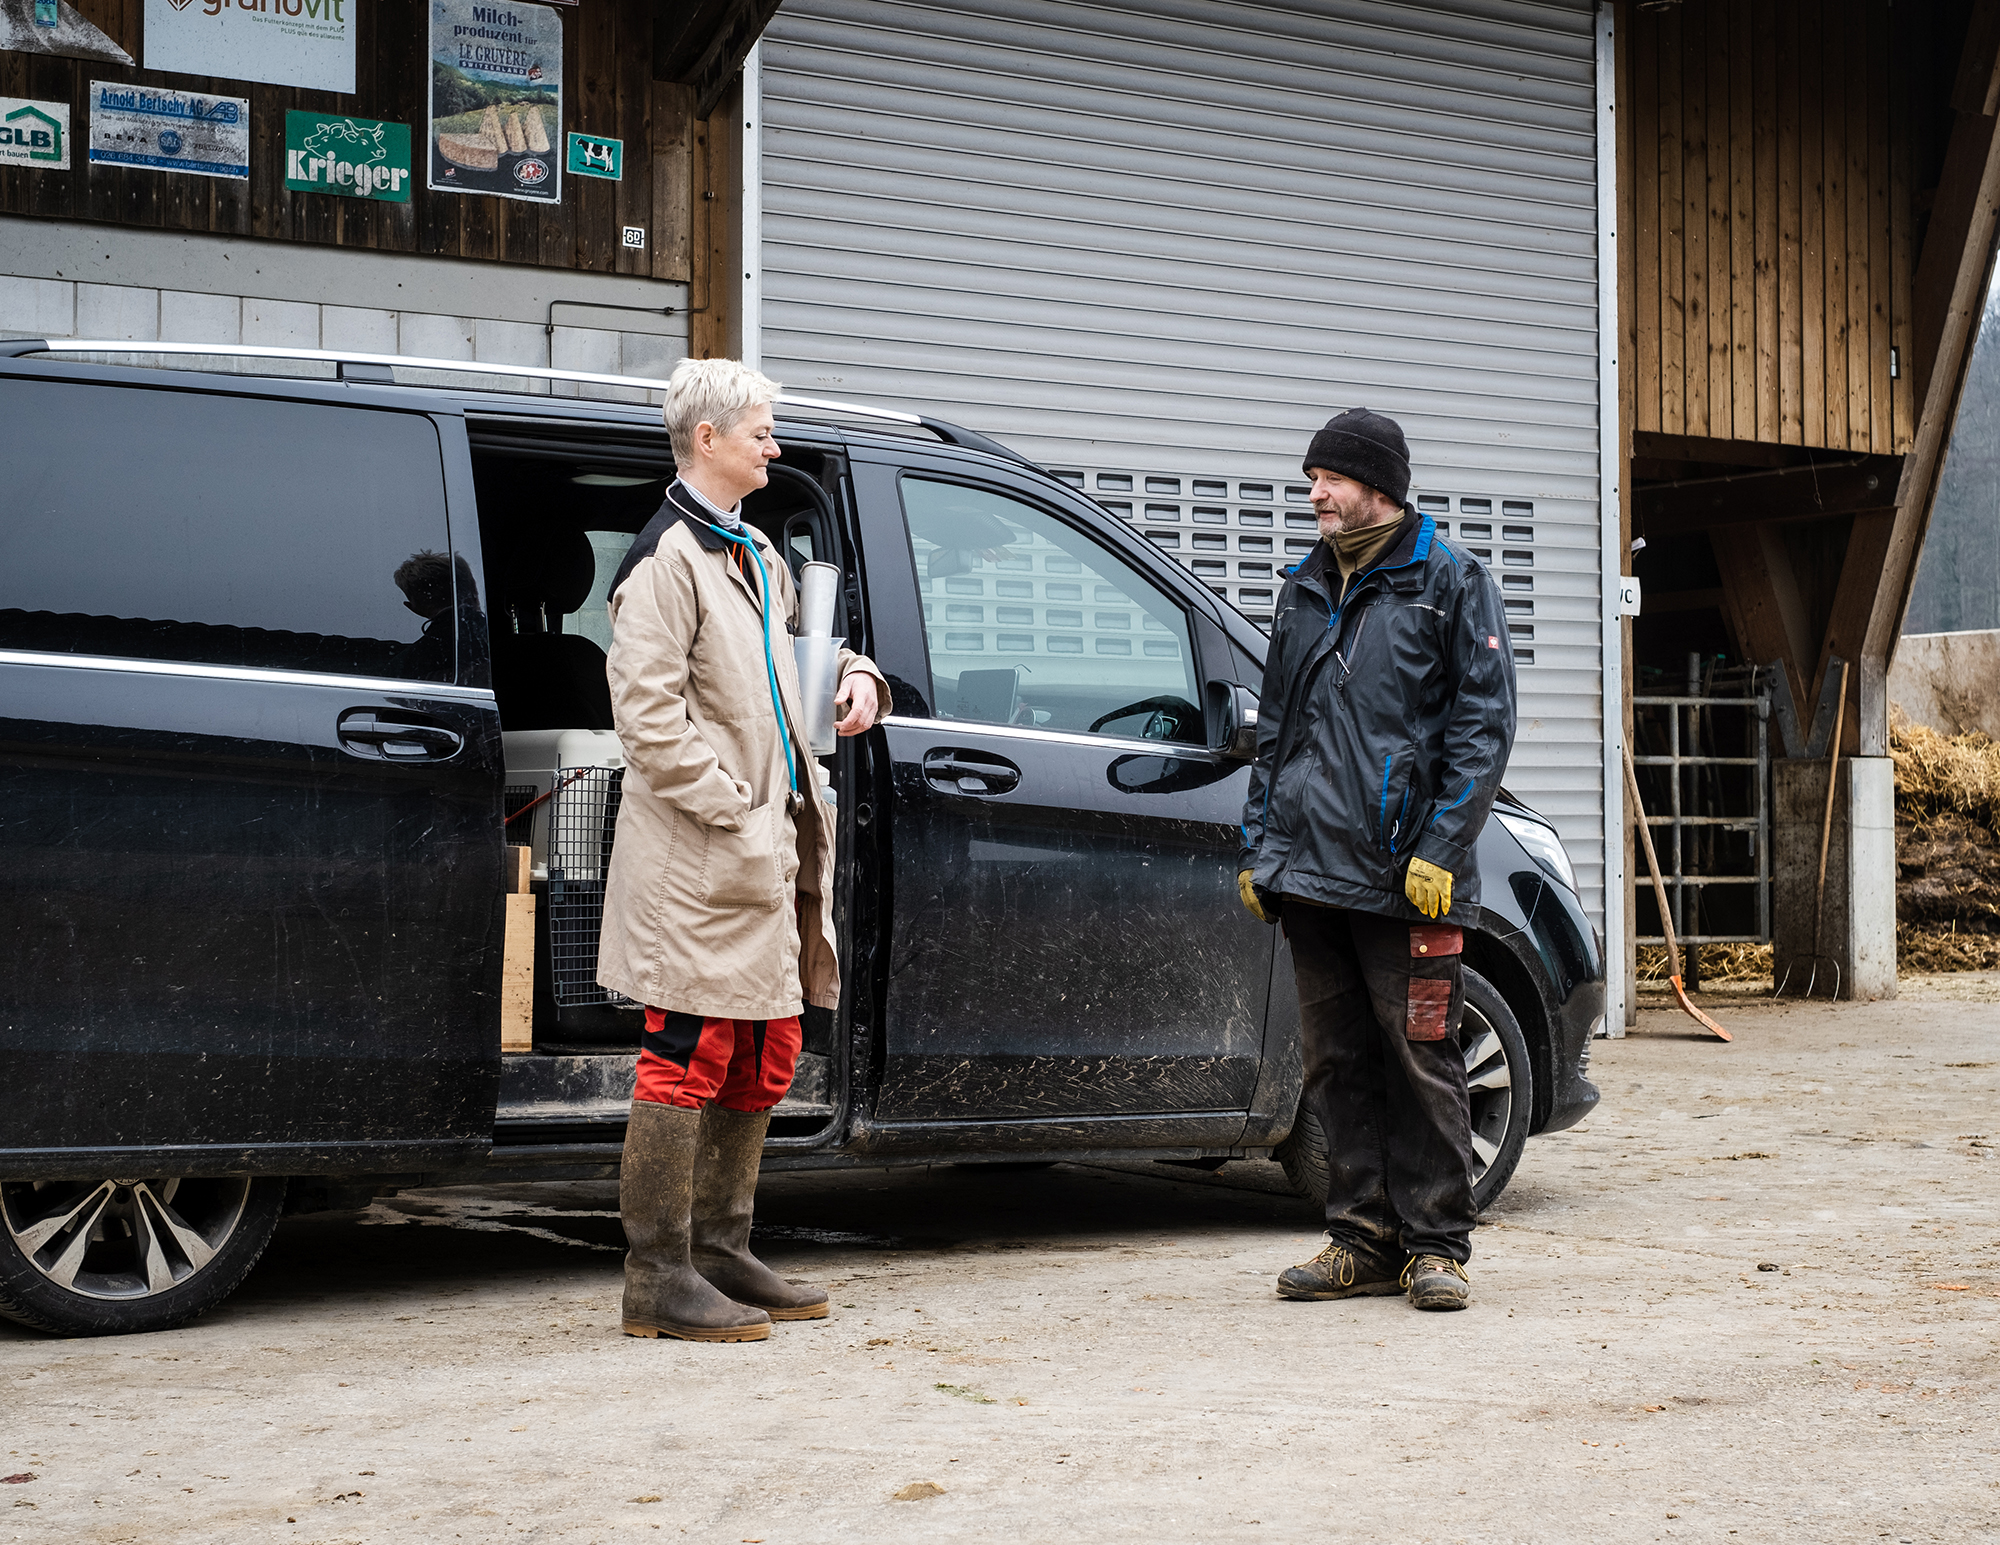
[
  {"x": 1249, "y": 894},
  {"x": 1429, "y": 888}
]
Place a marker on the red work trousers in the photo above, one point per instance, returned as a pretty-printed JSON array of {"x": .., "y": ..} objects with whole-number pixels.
[{"x": 742, "y": 1064}]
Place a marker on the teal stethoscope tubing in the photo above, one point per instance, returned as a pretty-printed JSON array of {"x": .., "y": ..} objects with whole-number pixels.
[{"x": 770, "y": 666}]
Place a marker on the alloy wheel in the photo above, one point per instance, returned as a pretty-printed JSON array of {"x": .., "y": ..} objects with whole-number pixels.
[
  {"x": 1490, "y": 1083},
  {"x": 122, "y": 1239}
]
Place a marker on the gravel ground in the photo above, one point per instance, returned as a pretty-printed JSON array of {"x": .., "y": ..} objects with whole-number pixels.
[{"x": 1753, "y": 1298}]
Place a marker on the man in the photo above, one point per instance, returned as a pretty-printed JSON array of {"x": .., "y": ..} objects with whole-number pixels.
[
  {"x": 1386, "y": 719},
  {"x": 718, "y": 910}
]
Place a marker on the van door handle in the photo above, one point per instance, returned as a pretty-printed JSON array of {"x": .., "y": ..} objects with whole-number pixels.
[
  {"x": 368, "y": 732},
  {"x": 969, "y": 772}
]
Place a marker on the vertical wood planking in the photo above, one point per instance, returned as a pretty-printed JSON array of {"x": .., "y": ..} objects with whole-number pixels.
[
  {"x": 1812, "y": 188},
  {"x": 1642, "y": 233},
  {"x": 1881, "y": 238},
  {"x": 632, "y": 199},
  {"x": 1791, "y": 337},
  {"x": 596, "y": 112},
  {"x": 672, "y": 149},
  {"x": 1694, "y": 210},
  {"x": 1833, "y": 173},
  {"x": 1721, "y": 385},
  {"x": 1670, "y": 136},
  {"x": 1860, "y": 201},
  {"x": 1742, "y": 225},
  {"x": 1901, "y": 243},
  {"x": 1764, "y": 150}
]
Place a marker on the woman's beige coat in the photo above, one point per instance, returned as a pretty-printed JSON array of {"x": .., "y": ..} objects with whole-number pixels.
[{"x": 698, "y": 913}]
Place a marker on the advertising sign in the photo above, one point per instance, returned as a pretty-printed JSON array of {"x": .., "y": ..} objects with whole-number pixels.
[
  {"x": 285, "y": 42},
  {"x": 53, "y": 27},
  {"x": 353, "y": 157},
  {"x": 169, "y": 131},
  {"x": 592, "y": 155},
  {"x": 34, "y": 133},
  {"x": 496, "y": 100}
]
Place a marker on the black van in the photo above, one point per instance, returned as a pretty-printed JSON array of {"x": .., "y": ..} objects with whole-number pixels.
[{"x": 295, "y": 664}]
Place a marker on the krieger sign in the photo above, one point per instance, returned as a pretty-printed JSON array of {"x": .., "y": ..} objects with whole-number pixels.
[{"x": 354, "y": 157}]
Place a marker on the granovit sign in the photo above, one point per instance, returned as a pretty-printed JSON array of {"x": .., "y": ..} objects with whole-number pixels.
[
  {"x": 354, "y": 157},
  {"x": 285, "y": 42}
]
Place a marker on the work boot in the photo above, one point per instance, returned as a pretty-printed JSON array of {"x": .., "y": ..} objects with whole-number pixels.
[
  {"x": 725, "y": 1189},
  {"x": 664, "y": 1294},
  {"x": 1338, "y": 1272},
  {"x": 1437, "y": 1282}
]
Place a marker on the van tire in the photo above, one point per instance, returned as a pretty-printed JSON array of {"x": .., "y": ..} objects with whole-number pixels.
[
  {"x": 1501, "y": 1112},
  {"x": 159, "y": 1253}
]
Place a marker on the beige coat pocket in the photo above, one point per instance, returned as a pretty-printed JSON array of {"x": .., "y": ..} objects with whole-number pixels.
[{"x": 740, "y": 868}]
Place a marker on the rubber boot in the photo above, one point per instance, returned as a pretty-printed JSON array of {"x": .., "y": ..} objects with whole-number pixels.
[
  {"x": 664, "y": 1294},
  {"x": 725, "y": 1190}
]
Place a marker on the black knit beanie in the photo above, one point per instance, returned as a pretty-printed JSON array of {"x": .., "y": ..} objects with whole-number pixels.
[{"x": 1366, "y": 446}]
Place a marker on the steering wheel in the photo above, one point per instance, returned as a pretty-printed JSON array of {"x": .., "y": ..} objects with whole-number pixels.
[{"x": 1166, "y": 716}]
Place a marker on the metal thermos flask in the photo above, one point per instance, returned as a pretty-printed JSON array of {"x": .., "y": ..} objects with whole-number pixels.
[{"x": 818, "y": 652}]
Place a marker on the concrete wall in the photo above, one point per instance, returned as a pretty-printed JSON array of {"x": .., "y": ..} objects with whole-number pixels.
[
  {"x": 1854, "y": 953},
  {"x": 62, "y": 279},
  {"x": 1950, "y": 681}
]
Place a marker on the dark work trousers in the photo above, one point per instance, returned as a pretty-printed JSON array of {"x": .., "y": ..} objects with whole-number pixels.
[{"x": 1379, "y": 1008}]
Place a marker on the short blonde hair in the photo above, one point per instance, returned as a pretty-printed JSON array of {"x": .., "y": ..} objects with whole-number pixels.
[{"x": 711, "y": 391}]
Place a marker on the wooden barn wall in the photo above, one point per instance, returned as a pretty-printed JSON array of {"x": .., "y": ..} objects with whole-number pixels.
[
  {"x": 1770, "y": 223},
  {"x": 607, "y": 87}
]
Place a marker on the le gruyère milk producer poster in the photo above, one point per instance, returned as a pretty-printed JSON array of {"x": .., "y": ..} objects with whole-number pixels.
[{"x": 496, "y": 100}]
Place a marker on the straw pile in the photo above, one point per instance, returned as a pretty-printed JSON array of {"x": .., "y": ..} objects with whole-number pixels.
[{"x": 1947, "y": 850}]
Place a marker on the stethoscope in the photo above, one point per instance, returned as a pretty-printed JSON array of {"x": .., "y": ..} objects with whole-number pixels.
[{"x": 764, "y": 604}]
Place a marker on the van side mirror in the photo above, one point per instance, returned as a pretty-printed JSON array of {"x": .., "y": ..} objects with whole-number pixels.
[{"x": 1232, "y": 721}]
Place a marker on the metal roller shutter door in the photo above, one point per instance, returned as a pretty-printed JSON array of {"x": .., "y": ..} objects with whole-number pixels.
[{"x": 1153, "y": 245}]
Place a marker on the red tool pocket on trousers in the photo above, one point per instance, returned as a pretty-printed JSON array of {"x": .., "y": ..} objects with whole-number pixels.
[
  {"x": 1429, "y": 939},
  {"x": 1429, "y": 1015}
]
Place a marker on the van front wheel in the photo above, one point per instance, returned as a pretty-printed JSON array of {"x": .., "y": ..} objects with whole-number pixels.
[{"x": 113, "y": 1256}]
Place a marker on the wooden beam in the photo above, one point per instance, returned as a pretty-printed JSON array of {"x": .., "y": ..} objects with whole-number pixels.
[
  {"x": 517, "y": 976},
  {"x": 1760, "y": 599},
  {"x": 1727, "y": 453},
  {"x": 1847, "y": 624},
  {"x": 1785, "y": 494},
  {"x": 1951, "y": 281},
  {"x": 716, "y": 330}
]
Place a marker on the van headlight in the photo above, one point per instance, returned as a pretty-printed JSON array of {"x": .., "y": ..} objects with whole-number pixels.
[{"x": 1543, "y": 846}]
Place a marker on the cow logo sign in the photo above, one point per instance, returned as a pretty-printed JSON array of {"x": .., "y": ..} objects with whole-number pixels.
[
  {"x": 592, "y": 155},
  {"x": 350, "y": 157}
]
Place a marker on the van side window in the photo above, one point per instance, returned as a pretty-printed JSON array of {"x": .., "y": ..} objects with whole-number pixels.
[
  {"x": 237, "y": 531},
  {"x": 1033, "y": 623}
]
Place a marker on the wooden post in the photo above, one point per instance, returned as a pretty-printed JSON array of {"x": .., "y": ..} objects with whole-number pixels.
[{"x": 517, "y": 957}]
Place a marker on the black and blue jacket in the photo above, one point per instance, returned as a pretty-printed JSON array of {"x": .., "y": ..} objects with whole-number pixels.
[{"x": 1386, "y": 721}]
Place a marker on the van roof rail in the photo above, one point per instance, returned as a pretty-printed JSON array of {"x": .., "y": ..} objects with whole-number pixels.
[{"x": 374, "y": 369}]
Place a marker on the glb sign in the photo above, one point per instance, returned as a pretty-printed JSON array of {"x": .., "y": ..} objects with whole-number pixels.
[
  {"x": 34, "y": 133},
  {"x": 284, "y": 42},
  {"x": 353, "y": 157}
]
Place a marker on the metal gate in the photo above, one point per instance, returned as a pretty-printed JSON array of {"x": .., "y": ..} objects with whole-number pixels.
[{"x": 1153, "y": 245}]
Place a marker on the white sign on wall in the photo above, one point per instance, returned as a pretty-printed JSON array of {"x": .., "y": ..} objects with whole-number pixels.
[
  {"x": 284, "y": 42},
  {"x": 34, "y": 133},
  {"x": 169, "y": 131}
]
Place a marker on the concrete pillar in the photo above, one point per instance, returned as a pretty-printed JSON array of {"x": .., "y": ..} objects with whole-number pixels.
[{"x": 1857, "y": 945}]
